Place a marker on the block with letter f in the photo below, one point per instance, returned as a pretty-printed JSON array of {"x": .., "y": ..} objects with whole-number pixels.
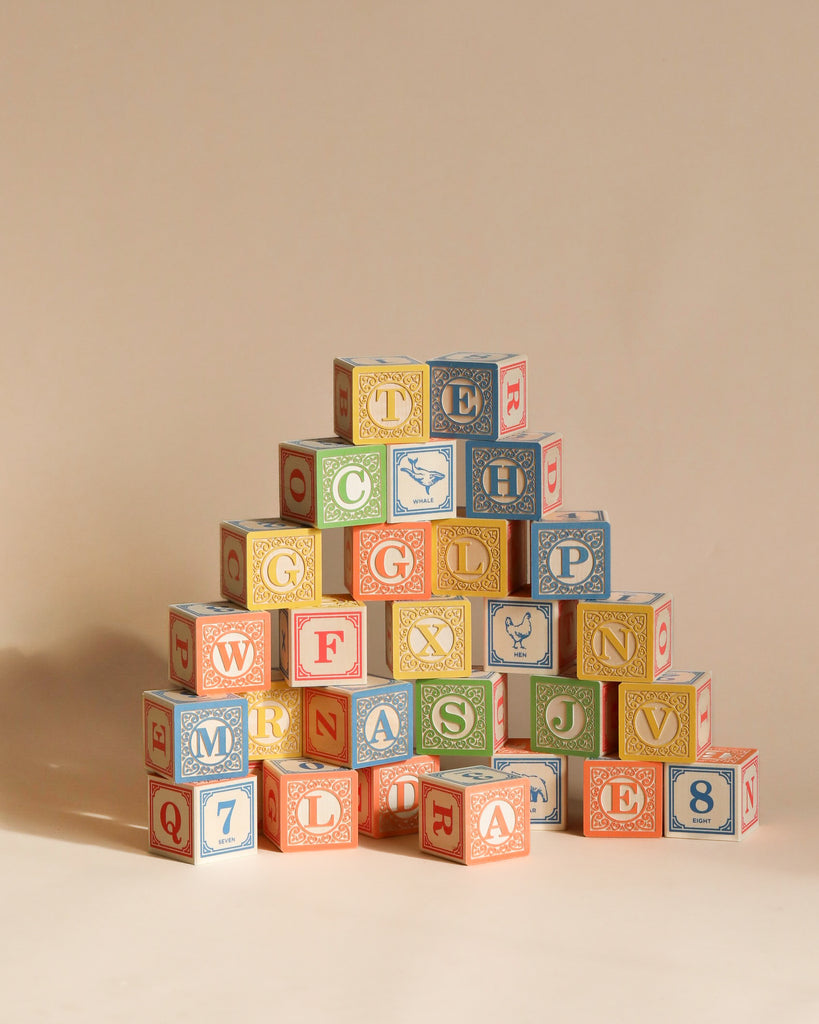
[{"x": 324, "y": 645}]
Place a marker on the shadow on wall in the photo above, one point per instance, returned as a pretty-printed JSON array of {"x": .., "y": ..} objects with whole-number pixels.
[{"x": 71, "y": 765}]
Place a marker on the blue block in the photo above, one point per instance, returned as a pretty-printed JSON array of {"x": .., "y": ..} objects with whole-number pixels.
[
  {"x": 571, "y": 556},
  {"x": 521, "y": 478},
  {"x": 477, "y": 394},
  {"x": 548, "y": 780}
]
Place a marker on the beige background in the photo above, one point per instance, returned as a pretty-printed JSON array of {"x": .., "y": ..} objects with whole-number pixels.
[{"x": 200, "y": 205}]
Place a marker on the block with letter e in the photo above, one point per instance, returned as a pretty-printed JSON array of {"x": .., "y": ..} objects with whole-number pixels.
[
  {"x": 381, "y": 399},
  {"x": 668, "y": 720},
  {"x": 478, "y": 394},
  {"x": 388, "y": 796},
  {"x": 270, "y": 563},
  {"x": 429, "y": 639},
  {"x": 717, "y": 797},
  {"x": 626, "y": 638},
  {"x": 464, "y": 716},
  {"x": 217, "y": 648},
  {"x": 474, "y": 815},
  {"x": 622, "y": 799},
  {"x": 389, "y": 561},
  {"x": 519, "y": 478},
  {"x": 571, "y": 556},
  {"x": 324, "y": 645},
  {"x": 308, "y": 805},
  {"x": 202, "y": 821}
]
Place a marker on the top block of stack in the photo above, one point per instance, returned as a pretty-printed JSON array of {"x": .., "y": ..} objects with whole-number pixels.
[
  {"x": 477, "y": 395},
  {"x": 381, "y": 399}
]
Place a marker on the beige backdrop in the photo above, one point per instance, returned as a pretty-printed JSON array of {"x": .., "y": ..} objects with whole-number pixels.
[{"x": 200, "y": 205}]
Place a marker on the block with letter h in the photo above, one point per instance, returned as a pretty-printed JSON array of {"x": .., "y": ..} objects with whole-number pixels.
[
  {"x": 474, "y": 815},
  {"x": 270, "y": 563},
  {"x": 381, "y": 399},
  {"x": 547, "y": 775},
  {"x": 429, "y": 639},
  {"x": 308, "y": 805},
  {"x": 526, "y": 634},
  {"x": 202, "y": 821},
  {"x": 626, "y": 638},
  {"x": 478, "y": 394},
  {"x": 217, "y": 648},
  {"x": 389, "y": 561},
  {"x": 324, "y": 645},
  {"x": 622, "y": 799},
  {"x": 520, "y": 478},
  {"x": 668, "y": 720},
  {"x": 461, "y": 716},
  {"x": 388, "y": 796},
  {"x": 571, "y": 556},
  {"x": 354, "y": 726},
  {"x": 715, "y": 798},
  {"x": 477, "y": 557},
  {"x": 577, "y": 717},
  {"x": 329, "y": 482}
]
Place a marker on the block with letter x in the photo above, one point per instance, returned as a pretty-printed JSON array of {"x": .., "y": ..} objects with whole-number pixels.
[
  {"x": 478, "y": 394},
  {"x": 324, "y": 645},
  {"x": 382, "y": 399},
  {"x": 668, "y": 720},
  {"x": 717, "y": 797},
  {"x": 519, "y": 478},
  {"x": 429, "y": 639},
  {"x": 309, "y": 805},
  {"x": 626, "y": 638}
]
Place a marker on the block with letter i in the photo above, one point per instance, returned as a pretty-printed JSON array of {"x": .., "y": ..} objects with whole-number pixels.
[
  {"x": 388, "y": 796},
  {"x": 478, "y": 394},
  {"x": 429, "y": 639},
  {"x": 571, "y": 556},
  {"x": 354, "y": 726},
  {"x": 381, "y": 399},
  {"x": 324, "y": 645},
  {"x": 308, "y": 805},
  {"x": 626, "y": 638},
  {"x": 389, "y": 561},
  {"x": 668, "y": 720},
  {"x": 525, "y": 634},
  {"x": 461, "y": 716},
  {"x": 200, "y": 822},
  {"x": 622, "y": 799},
  {"x": 329, "y": 482},
  {"x": 269, "y": 563},
  {"x": 217, "y": 647},
  {"x": 548, "y": 782},
  {"x": 421, "y": 481},
  {"x": 717, "y": 797},
  {"x": 275, "y": 722},
  {"x": 573, "y": 716},
  {"x": 477, "y": 557},
  {"x": 474, "y": 815},
  {"x": 520, "y": 478}
]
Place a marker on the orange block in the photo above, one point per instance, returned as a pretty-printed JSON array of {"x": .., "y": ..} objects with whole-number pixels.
[
  {"x": 388, "y": 562},
  {"x": 217, "y": 648},
  {"x": 622, "y": 799},
  {"x": 309, "y": 805},
  {"x": 388, "y": 796}
]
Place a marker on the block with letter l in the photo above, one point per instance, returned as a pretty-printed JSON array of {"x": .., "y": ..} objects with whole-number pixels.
[{"x": 308, "y": 805}]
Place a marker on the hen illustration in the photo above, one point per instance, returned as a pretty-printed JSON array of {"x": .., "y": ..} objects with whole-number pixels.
[
  {"x": 425, "y": 477},
  {"x": 519, "y": 631}
]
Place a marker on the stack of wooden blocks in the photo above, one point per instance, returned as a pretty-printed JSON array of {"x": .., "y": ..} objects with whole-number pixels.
[{"x": 336, "y": 752}]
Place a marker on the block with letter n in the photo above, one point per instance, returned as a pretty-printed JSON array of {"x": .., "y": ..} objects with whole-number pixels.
[
  {"x": 324, "y": 645},
  {"x": 717, "y": 797},
  {"x": 380, "y": 399},
  {"x": 309, "y": 805},
  {"x": 626, "y": 638},
  {"x": 478, "y": 395}
]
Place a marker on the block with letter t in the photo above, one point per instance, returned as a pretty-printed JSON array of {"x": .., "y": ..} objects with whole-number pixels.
[
  {"x": 308, "y": 805},
  {"x": 668, "y": 720},
  {"x": 388, "y": 796},
  {"x": 622, "y": 799},
  {"x": 478, "y": 394},
  {"x": 381, "y": 399},
  {"x": 571, "y": 556},
  {"x": 324, "y": 645},
  {"x": 517, "y": 478},
  {"x": 204, "y": 821},
  {"x": 717, "y": 797},
  {"x": 474, "y": 815},
  {"x": 626, "y": 638},
  {"x": 270, "y": 563}
]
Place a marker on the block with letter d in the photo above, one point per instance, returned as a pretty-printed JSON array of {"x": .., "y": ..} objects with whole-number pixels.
[
  {"x": 324, "y": 645},
  {"x": 354, "y": 726},
  {"x": 202, "y": 821},
  {"x": 577, "y": 717},
  {"x": 215, "y": 648},
  {"x": 270, "y": 563},
  {"x": 548, "y": 782},
  {"x": 429, "y": 639},
  {"x": 520, "y": 478},
  {"x": 626, "y": 638},
  {"x": 668, "y": 720},
  {"x": 464, "y": 716},
  {"x": 388, "y": 796},
  {"x": 717, "y": 797},
  {"x": 571, "y": 556},
  {"x": 381, "y": 399},
  {"x": 478, "y": 394},
  {"x": 622, "y": 799},
  {"x": 329, "y": 482},
  {"x": 194, "y": 739},
  {"x": 474, "y": 815},
  {"x": 389, "y": 561},
  {"x": 308, "y": 805}
]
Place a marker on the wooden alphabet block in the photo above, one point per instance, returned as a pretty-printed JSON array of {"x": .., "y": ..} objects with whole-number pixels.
[
  {"x": 329, "y": 482},
  {"x": 381, "y": 399},
  {"x": 573, "y": 716},
  {"x": 461, "y": 716},
  {"x": 668, "y": 720},
  {"x": 626, "y": 638},
  {"x": 269, "y": 563},
  {"x": 309, "y": 805},
  {"x": 388, "y": 796},
  {"x": 548, "y": 782},
  {"x": 474, "y": 815},
  {"x": 354, "y": 726},
  {"x": 194, "y": 739},
  {"x": 520, "y": 478},
  {"x": 275, "y": 721},
  {"x": 717, "y": 797},
  {"x": 478, "y": 394},
  {"x": 526, "y": 634},
  {"x": 477, "y": 557},
  {"x": 215, "y": 648},
  {"x": 199, "y": 822},
  {"x": 429, "y": 639},
  {"x": 421, "y": 481},
  {"x": 571, "y": 556},
  {"x": 622, "y": 799},
  {"x": 324, "y": 645},
  {"x": 387, "y": 562}
]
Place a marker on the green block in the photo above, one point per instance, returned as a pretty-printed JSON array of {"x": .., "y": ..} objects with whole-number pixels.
[
  {"x": 461, "y": 716},
  {"x": 573, "y": 716}
]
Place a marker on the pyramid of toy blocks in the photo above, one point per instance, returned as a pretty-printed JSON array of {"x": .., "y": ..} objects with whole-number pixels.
[{"x": 274, "y": 720}]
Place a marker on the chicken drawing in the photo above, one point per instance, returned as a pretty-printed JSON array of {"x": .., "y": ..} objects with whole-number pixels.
[
  {"x": 425, "y": 477},
  {"x": 518, "y": 632}
]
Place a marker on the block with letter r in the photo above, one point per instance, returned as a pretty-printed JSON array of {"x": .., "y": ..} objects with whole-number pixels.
[
  {"x": 571, "y": 556},
  {"x": 478, "y": 395},
  {"x": 626, "y": 638},
  {"x": 517, "y": 478},
  {"x": 309, "y": 805},
  {"x": 275, "y": 721},
  {"x": 717, "y": 797}
]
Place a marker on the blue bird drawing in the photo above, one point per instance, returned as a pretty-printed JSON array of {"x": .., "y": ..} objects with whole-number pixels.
[
  {"x": 425, "y": 477},
  {"x": 518, "y": 632}
]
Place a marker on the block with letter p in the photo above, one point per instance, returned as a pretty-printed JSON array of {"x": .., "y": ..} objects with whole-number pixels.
[
  {"x": 269, "y": 563},
  {"x": 381, "y": 399},
  {"x": 668, "y": 720},
  {"x": 519, "y": 478},
  {"x": 308, "y": 805},
  {"x": 571, "y": 556},
  {"x": 324, "y": 645},
  {"x": 478, "y": 394},
  {"x": 717, "y": 797},
  {"x": 217, "y": 647},
  {"x": 626, "y": 638}
]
